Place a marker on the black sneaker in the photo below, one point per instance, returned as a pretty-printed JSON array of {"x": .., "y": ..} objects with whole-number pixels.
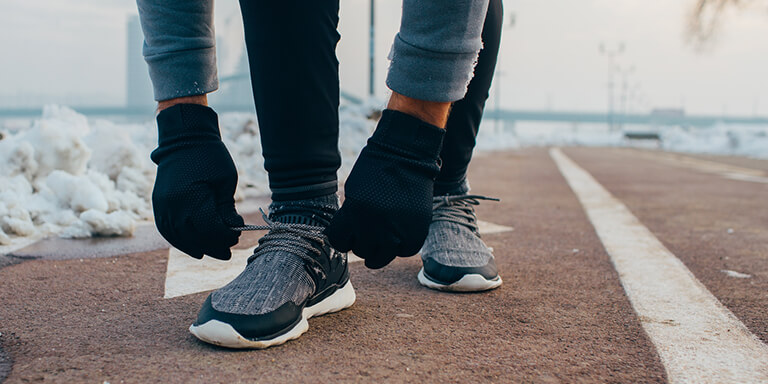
[
  {"x": 454, "y": 257},
  {"x": 293, "y": 275}
]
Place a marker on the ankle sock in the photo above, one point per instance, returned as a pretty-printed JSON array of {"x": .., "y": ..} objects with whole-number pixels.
[{"x": 317, "y": 211}]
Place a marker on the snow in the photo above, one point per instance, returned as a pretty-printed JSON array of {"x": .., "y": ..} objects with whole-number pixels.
[
  {"x": 70, "y": 176},
  {"x": 240, "y": 133},
  {"x": 721, "y": 139},
  {"x": 746, "y": 140},
  {"x": 66, "y": 175}
]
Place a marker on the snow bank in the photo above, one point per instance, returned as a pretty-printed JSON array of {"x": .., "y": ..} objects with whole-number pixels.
[
  {"x": 66, "y": 175},
  {"x": 743, "y": 140},
  {"x": 495, "y": 135},
  {"x": 240, "y": 133},
  {"x": 721, "y": 139}
]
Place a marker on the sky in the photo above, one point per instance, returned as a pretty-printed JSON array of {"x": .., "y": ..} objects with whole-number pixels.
[{"x": 73, "y": 51}]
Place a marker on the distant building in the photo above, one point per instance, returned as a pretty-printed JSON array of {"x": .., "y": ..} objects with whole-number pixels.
[
  {"x": 677, "y": 113},
  {"x": 138, "y": 90},
  {"x": 235, "y": 88}
]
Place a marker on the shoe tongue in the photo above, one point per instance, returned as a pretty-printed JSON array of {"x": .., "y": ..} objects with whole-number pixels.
[{"x": 297, "y": 218}]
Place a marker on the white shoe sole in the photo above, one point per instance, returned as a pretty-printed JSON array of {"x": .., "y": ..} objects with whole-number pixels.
[
  {"x": 468, "y": 283},
  {"x": 222, "y": 334}
]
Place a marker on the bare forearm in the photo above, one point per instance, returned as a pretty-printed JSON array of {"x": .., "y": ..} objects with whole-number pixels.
[
  {"x": 196, "y": 99},
  {"x": 433, "y": 112}
]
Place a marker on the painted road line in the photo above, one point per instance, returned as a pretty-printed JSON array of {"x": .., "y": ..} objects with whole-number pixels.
[
  {"x": 17, "y": 243},
  {"x": 728, "y": 171},
  {"x": 186, "y": 275},
  {"x": 742, "y": 177},
  {"x": 697, "y": 338},
  {"x": 487, "y": 228}
]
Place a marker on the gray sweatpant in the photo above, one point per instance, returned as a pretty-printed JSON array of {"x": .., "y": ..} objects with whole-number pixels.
[{"x": 432, "y": 58}]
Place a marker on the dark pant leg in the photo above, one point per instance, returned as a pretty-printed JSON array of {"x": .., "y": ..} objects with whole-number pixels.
[
  {"x": 295, "y": 76},
  {"x": 466, "y": 113}
]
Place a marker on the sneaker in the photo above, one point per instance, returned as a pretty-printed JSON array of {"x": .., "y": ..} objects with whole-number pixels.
[
  {"x": 293, "y": 275},
  {"x": 454, "y": 257}
]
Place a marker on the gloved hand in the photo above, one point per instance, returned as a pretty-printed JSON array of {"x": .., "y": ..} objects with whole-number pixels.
[
  {"x": 193, "y": 198},
  {"x": 388, "y": 195}
]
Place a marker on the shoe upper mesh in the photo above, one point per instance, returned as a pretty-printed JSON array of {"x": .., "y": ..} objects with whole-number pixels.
[
  {"x": 284, "y": 267},
  {"x": 454, "y": 239}
]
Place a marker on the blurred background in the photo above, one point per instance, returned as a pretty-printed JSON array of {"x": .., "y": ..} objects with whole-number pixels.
[
  {"x": 699, "y": 57},
  {"x": 76, "y": 108}
]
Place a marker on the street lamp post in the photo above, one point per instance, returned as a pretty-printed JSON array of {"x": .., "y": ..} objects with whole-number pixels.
[
  {"x": 624, "y": 73},
  {"x": 371, "y": 50},
  {"x": 611, "y": 53},
  {"x": 497, "y": 77}
]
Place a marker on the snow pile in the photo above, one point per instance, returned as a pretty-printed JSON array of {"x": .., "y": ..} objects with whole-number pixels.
[
  {"x": 55, "y": 181},
  {"x": 495, "y": 135},
  {"x": 70, "y": 176},
  {"x": 240, "y": 133},
  {"x": 744, "y": 140},
  {"x": 720, "y": 139}
]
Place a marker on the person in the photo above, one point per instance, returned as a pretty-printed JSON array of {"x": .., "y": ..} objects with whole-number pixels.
[{"x": 406, "y": 192}]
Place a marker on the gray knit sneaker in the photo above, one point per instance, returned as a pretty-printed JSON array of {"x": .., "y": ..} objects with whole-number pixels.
[
  {"x": 454, "y": 257},
  {"x": 293, "y": 275}
]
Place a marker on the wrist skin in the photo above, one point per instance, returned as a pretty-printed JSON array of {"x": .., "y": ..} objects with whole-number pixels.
[
  {"x": 432, "y": 112},
  {"x": 196, "y": 99}
]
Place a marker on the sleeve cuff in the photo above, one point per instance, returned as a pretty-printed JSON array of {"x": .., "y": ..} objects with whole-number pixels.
[
  {"x": 428, "y": 75},
  {"x": 183, "y": 73}
]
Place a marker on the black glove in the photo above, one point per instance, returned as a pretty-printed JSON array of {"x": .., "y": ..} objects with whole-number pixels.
[
  {"x": 388, "y": 196},
  {"x": 193, "y": 199}
]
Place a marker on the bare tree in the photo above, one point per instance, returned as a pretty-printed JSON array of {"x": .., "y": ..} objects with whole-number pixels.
[{"x": 707, "y": 15}]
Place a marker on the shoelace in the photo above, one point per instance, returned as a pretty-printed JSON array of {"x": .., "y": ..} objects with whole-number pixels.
[
  {"x": 292, "y": 238},
  {"x": 458, "y": 209}
]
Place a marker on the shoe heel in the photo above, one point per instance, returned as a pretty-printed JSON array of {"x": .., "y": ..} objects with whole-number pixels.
[{"x": 343, "y": 298}]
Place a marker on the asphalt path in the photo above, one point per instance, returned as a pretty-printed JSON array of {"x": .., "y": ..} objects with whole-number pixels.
[
  {"x": 562, "y": 314},
  {"x": 714, "y": 224}
]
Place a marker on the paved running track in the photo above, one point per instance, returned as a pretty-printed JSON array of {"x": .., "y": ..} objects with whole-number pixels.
[{"x": 93, "y": 311}]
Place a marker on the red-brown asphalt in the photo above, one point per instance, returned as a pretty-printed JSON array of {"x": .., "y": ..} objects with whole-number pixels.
[
  {"x": 709, "y": 222},
  {"x": 561, "y": 315},
  {"x": 744, "y": 162}
]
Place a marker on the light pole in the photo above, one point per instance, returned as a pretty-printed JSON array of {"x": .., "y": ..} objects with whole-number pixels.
[
  {"x": 611, "y": 53},
  {"x": 624, "y": 73},
  {"x": 497, "y": 97},
  {"x": 634, "y": 97},
  {"x": 371, "y": 51},
  {"x": 498, "y": 74}
]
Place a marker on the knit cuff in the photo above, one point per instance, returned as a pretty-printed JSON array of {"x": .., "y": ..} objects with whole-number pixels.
[
  {"x": 183, "y": 73},
  {"x": 429, "y": 75}
]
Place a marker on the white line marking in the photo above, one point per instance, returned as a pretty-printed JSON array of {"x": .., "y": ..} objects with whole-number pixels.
[
  {"x": 19, "y": 243},
  {"x": 186, "y": 275},
  {"x": 698, "y": 339},
  {"x": 352, "y": 258},
  {"x": 727, "y": 171},
  {"x": 487, "y": 228},
  {"x": 741, "y": 177}
]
